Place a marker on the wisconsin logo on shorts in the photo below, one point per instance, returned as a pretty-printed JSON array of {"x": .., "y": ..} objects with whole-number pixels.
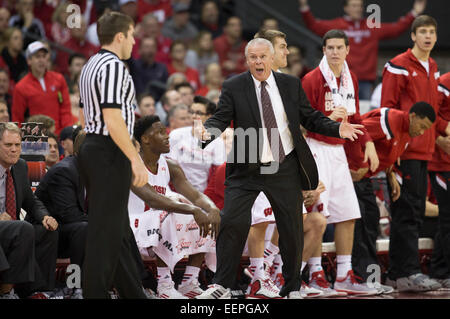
[
  {"x": 136, "y": 223},
  {"x": 268, "y": 211}
]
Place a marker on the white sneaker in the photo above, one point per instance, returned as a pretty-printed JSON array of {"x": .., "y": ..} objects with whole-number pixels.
[
  {"x": 309, "y": 292},
  {"x": 294, "y": 295},
  {"x": 417, "y": 283},
  {"x": 262, "y": 289},
  {"x": 352, "y": 286},
  {"x": 9, "y": 295},
  {"x": 166, "y": 290},
  {"x": 191, "y": 289},
  {"x": 150, "y": 294},
  {"x": 215, "y": 291}
]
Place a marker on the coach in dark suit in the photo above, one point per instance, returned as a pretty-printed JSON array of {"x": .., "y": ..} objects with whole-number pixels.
[
  {"x": 63, "y": 194},
  {"x": 279, "y": 162},
  {"x": 35, "y": 267}
]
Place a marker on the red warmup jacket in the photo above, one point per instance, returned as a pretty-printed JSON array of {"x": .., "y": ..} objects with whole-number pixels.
[
  {"x": 54, "y": 102},
  {"x": 319, "y": 95},
  {"x": 215, "y": 189},
  {"x": 405, "y": 82},
  {"x": 389, "y": 130},
  {"x": 441, "y": 160},
  {"x": 363, "y": 40}
]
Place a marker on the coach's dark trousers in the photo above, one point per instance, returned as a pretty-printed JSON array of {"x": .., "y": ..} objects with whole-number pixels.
[
  {"x": 29, "y": 256},
  {"x": 440, "y": 260},
  {"x": 109, "y": 261},
  {"x": 283, "y": 190},
  {"x": 407, "y": 217},
  {"x": 366, "y": 229}
]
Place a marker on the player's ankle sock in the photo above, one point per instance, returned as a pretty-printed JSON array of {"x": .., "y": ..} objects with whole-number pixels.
[
  {"x": 257, "y": 266},
  {"x": 190, "y": 273},
  {"x": 314, "y": 264},
  {"x": 164, "y": 275},
  {"x": 344, "y": 264},
  {"x": 277, "y": 264},
  {"x": 270, "y": 252}
]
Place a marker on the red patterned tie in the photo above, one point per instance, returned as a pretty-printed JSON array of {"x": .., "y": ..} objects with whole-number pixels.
[
  {"x": 270, "y": 121},
  {"x": 10, "y": 196}
]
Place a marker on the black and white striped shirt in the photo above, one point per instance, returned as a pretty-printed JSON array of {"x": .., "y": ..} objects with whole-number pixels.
[{"x": 105, "y": 83}]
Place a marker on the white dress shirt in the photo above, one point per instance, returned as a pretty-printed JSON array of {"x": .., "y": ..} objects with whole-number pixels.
[{"x": 280, "y": 117}]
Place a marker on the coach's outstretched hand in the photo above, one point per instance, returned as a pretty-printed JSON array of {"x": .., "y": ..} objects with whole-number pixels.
[{"x": 350, "y": 131}]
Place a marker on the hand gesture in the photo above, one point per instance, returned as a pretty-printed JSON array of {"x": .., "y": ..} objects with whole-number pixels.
[
  {"x": 350, "y": 131},
  {"x": 419, "y": 6},
  {"x": 49, "y": 223},
  {"x": 444, "y": 143}
]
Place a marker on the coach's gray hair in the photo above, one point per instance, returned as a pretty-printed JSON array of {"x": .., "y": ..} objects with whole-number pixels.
[
  {"x": 8, "y": 126},
  {"x": 259, "y": 41}
]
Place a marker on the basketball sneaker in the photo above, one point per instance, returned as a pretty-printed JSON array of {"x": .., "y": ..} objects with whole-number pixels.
[
  {"x": 191, "y": 289},
  {"x": 166, "y": 290},
  {"x": 310, "y": 292},
  {"x": 319, "y": 282},
  {"x": 215, "y": 291},
  {"x": 352, "y": 286},
  {"x": 262, "y": 289}
]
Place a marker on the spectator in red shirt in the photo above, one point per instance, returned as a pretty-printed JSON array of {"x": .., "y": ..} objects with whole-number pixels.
[
  {"x": 43, "y": 10},
  {"x": 150, "y": 28},
  {"x": 162, "y": 9},
  {"x": 230, "y": 47},
  {"x": 78, "y": 44},
  {"x": 213, "y": 79},
  {"x": 178, "y": 51},
  {"x": 41, "y": 91},
  {"x": 364, "y": 39}
]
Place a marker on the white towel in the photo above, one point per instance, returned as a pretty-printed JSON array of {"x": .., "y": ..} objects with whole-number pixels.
[{"x": 345, "y": 94}]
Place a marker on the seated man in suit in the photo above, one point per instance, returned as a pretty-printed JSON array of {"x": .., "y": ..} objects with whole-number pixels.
[
  {"x": 62, "y": 194},
  {"x": 28, "y": 247}
]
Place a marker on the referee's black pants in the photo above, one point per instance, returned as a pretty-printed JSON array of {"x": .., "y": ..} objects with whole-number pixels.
[
  {"x": 366, "y": 229},
  {"x": 109, "y": 260},
  {"x": 407, "y": 217},
  {"x": 440, "y": 260},
  {"x": 283, "y": 190}
]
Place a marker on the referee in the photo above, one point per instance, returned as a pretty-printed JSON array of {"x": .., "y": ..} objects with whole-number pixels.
[{"x": 108, "y": 160}]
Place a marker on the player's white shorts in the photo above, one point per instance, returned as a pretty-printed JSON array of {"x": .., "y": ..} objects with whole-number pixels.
[
  {"x": 171, "y": 237},
  {"x": 262, "y": 211},
  {"x": 339, "y": 198}
]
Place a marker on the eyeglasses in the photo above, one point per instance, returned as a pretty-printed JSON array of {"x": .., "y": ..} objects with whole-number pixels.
[{"x": 197, "y": 113}]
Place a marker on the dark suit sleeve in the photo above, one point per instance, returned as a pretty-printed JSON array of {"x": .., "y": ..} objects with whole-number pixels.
[
  {"x": 64, "y": 195},
  {"x": 33, "y": 206},
  {"x": 223, "y": 116},
  {"x": 314, "y": 120}
]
